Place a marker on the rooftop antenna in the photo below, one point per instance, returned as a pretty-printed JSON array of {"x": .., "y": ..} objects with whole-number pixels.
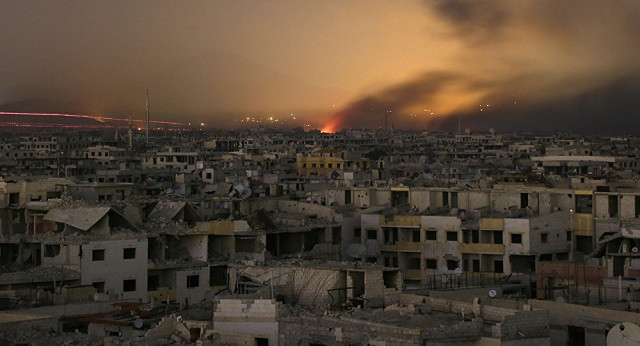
[
  {"x": 147, "y": 109},
  {"x": 130, "y": 133},
  {"x": 459, "y": 124}
]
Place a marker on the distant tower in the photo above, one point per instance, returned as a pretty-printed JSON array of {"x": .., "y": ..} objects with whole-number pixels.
[
  {"x": 130, "y": 133},
  {"x": 459, "y": 125},
  {"x": 386, "y": 119},
  {"x": 147, "y": 126}
]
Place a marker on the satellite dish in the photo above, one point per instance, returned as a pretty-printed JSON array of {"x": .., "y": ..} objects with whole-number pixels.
[
  {"x": 138, "y": 323},
  {"x": 457, "y": 271},
  {"x": 308, "y": 199},
  {"x": 560, "y": 299},
  {"x": 493, "y": 293},
  {"x": 625, "y": 333},
  {"x": 634, "y": 249},
  {"x": 179, "y": 319},
  {"x": 239, "y": 187},
  {"x": 356, "y": 250},
  {"x": 245, "y": 193}
]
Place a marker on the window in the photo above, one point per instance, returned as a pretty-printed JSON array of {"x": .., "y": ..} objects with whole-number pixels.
[
  {"x": 452, "y": 264},
  {"x": 99, "y": 286},
  {"x": 524, "y": 200},
  {"x": 497, "y": 266},
  {"x": 432, "y": 264},
  {"x": 452, "y": 236},
  {"x": 516, "y": 238},
  {"x": 261, "y": 342},
  {"x": 390, "y": 236},
  {"x": 372, "y": 234},
  {"x": 431, "y": 235},
  {"x": 193, "y": 281},
  {"x": 413, "y": 263},
  {"x": 51, "y": 250},
  {"x": 497, "y": 237},
  {"x": 153, "y": 282},
  {"x": 98, "y": 255},
  {"x": 357, "y": 232},
  {"x": 416, "y": 236},
  {"x": 613, "y": 206},
  {"x": 544, "y": 238},
  {"x": 129, "y": 253},
  {"x": 129, "y": 285},
  {"x": 568, "y": 235}
]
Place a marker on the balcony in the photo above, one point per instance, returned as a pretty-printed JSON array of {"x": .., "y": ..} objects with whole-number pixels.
[
  {"x": 583, "y": 224},
  {"x": 492, "y": 224},
  {"x": 403, "y": 246},
  {"x": 490, "y": 249},
  {"x": 405, "y": 221}
]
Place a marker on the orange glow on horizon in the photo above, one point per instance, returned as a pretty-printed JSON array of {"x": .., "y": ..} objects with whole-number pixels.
[{"x": 330, "y": 127}]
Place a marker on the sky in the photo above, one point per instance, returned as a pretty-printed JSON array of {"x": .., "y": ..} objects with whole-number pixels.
[{"x": 335, "y": 64}]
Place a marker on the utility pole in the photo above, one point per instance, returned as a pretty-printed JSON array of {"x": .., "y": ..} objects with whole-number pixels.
[
  {"x": 130, "y": 133},
  {"x": 147, "y": 125}
]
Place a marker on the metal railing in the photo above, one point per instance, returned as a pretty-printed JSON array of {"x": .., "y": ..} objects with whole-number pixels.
[{"x": 463, "y": 280}]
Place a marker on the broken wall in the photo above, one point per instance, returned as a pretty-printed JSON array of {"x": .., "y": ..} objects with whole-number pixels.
[
  {"x": 311, "y": 285},
  {"x": 67, "y": 255}
]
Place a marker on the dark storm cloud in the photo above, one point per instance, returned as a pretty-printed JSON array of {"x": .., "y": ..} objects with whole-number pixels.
[
  {"x": 610, "y": 109},
  {"x": 561, "y": 65},
  {"x": 474, "y": 20}
]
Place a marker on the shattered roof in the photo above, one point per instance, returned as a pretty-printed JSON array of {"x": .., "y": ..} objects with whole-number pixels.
[
  {"x": 81, "y": 218},
  {"x": 166, "y": 210}
]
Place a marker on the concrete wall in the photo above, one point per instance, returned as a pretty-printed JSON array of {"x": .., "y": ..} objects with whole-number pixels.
[
  {"x": 517, "y": 226},
  {"x": 193, "y": 294},
  {"x": 252, "y": 318},
  {"x": 114, "y": 269},
  {"x": 302, "y": 330},
  {"x": 594, "y": 320},
  {"x": 380, "y": 197},
  {"x": 556, "y": 226}
]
